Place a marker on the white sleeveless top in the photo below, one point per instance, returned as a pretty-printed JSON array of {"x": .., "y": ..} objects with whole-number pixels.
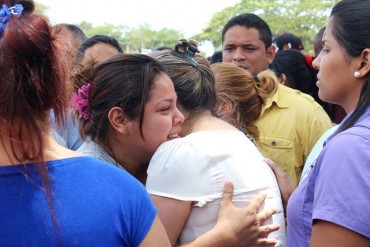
[{"x": 195, "y": 167}]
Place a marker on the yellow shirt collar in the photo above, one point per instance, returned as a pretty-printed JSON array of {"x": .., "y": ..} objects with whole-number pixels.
[{"x": 278, "y": 98}]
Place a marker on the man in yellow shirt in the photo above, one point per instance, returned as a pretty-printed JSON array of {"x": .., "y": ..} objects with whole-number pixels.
[{"x": 291, "y": 121}]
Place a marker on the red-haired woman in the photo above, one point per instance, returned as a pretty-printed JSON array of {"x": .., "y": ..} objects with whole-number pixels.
[{"x": 51, "y": 195}]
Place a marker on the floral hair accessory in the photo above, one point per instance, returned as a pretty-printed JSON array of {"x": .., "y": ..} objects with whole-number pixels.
[
  {"x": 6, "y": 13},
  {"x": 80, "y": 101}
]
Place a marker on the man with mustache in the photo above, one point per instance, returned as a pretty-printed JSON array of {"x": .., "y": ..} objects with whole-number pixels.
[{"x": 291, "y": 122}]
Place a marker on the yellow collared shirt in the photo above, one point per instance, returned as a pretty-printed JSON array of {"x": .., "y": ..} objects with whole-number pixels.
[{"x": 290, "y": 125}]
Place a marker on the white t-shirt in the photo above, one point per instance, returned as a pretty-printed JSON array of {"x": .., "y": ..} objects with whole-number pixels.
[{"x": 195, "y": 167}]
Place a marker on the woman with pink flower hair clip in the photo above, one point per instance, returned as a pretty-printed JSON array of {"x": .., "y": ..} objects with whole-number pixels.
[
  {"x": 53, "y": 196},
  {"x": 50, "y": 195},
  {"x": 131, "y": 111}
]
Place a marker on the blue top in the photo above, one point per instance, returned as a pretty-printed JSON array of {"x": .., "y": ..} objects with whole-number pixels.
[
  {"x": 68, "y": 133},
  {"x": 338, "y": 187},
  {"x": 96, "y": 204}
]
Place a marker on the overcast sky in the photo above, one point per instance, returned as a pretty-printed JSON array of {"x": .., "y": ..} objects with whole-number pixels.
[{"x": 189, "y": 16}]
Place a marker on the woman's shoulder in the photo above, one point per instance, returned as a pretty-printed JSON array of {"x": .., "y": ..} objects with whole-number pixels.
[
  {"x": 346, "y": 151},
  {"x": 353, "y": 137},
  {"x": 93, "y": 170},
  {"x": 204, "y": 142}
]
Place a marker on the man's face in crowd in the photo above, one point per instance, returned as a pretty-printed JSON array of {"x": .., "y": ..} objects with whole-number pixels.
[{"x": 243, "y": 47}]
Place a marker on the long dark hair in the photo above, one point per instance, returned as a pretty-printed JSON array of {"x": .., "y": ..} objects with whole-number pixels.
[
  {"x": 292, "y": 63},
  {"x": 351, "y": 20}
]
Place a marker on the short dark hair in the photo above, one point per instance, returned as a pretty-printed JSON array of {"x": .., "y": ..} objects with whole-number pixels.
[
  {"x": 250, "y": 20},
  {"x": 98, "y": 39},
  {"x": 78, "y": 35},
  {"x": 288, "y": 38},
  {"x": 216, "y": 57}
]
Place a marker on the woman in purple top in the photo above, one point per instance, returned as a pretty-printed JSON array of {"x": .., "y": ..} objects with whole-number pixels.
[{"x": 332, "y": 206}]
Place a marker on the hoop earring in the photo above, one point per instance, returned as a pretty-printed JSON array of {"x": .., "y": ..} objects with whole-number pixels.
[{"x": 357, "y": 74}]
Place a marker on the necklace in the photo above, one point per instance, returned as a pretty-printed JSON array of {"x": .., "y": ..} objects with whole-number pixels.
[{"x": 197, "y": 123}]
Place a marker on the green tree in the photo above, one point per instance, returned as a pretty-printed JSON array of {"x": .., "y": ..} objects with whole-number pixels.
[
  {"x": 301, "y": 17},
  {"x": 131, "y": 39},
  {"x": 139, "y": 38},
  {"x": 166, "y": 37},
  {"x": 134, "y": 39},
  {"x": 144, "y": 37},
  {"x": 41, "y": 9},
  {"x": 115, "y": 31}
]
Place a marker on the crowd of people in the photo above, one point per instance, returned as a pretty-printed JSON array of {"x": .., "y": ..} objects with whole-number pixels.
[{"x": 260, "y": 145}]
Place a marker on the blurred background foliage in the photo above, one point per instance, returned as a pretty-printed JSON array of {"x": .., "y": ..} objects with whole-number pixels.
[{"x": 300, "y": 17}]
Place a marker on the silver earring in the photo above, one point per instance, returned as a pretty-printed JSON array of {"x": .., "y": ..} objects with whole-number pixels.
[{"x": 357, "y": 74}]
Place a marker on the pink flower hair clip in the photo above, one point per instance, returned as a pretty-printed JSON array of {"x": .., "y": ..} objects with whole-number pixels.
[{"x": 80, "y": 101}]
